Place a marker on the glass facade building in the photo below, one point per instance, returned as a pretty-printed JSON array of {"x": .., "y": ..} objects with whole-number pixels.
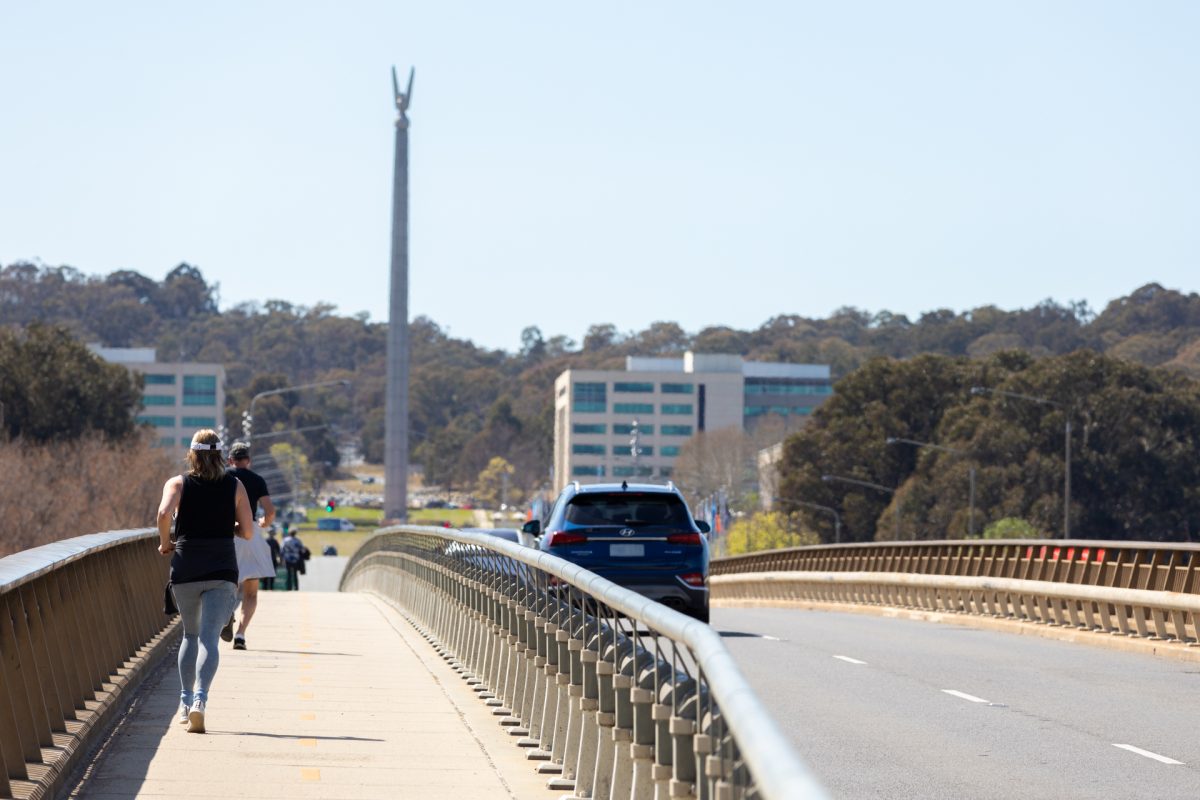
[{"x": 666, "y": 401}]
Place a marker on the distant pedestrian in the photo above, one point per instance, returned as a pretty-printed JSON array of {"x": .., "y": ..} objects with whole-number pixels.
[
  {"x": 210, "y": 507},
  {"x": 292, "y": 551},
  {"x": 276, "y": 559},
  {"x": 254, "y": 554}
]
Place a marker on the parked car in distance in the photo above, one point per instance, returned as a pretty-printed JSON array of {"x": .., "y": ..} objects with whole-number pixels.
[
  {"x": 335, "y": 524},
  {"x": 640, "y": 536}
]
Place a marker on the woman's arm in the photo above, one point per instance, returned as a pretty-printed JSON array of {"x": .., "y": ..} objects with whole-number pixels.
[
  {"x": 172, "y": 491},
  {"x": 245, "y": 522},
  {"x": 268, "y": 510}
]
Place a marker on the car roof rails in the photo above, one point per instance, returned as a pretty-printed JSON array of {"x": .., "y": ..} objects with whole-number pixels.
[
  {"x": 576, "y": 485},
  {"x": 670, "y": 484}
]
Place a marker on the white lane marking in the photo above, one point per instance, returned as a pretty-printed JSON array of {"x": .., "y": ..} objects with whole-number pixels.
[
  {"x": 1147, "y": 754},
  {"x": 772, "y": 638},
  {"x": 849, "y": 660},
  {"x": 964, "y": 695}
]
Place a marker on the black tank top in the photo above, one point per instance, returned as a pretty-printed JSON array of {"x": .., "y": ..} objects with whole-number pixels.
[{"x": 204, "y": 531}]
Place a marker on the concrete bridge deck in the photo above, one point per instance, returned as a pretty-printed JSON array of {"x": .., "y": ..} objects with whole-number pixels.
[{"x": 337, "y": 697}]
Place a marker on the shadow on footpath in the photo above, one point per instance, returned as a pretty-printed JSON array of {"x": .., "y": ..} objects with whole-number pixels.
[
  {"x": 123, "y": 758},
  {"x": 290, "y": 736}
]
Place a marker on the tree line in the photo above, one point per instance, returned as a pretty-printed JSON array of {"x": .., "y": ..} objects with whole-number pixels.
[
  {"x": 1134, "y": 433},
  {"x": 469, "y": 404}
]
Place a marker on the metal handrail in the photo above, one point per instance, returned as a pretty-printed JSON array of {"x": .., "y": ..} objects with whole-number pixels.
[
  {"x": 1161, "y": 615},
  {"x": 552, "y": 643},
  {"x": 81, "y": 623},
  {"x": 1156, "y": 566}
]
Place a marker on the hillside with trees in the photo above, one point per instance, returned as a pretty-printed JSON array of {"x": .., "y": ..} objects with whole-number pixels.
[
  {"x": 470, "y": 404},
  {"x": 71, "y": 457},
  {"x": 1135, "y": 432}
]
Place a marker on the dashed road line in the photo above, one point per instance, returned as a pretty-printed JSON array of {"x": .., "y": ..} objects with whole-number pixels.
[
  {"x": 849, "y": 660},
  {"x": 772, "y": 638},
  {"x": 1147, "y": 754},
  {"x": 964, "y": 696}
]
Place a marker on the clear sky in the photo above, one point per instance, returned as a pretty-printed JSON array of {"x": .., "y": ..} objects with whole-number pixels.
[{"x": 626, "y": 162}]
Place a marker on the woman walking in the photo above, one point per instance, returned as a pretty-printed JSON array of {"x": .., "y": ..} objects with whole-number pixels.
[{"x": 210, "y": 507}]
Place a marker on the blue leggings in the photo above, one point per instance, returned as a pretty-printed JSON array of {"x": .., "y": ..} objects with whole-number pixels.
[{"x": 204, "y": 608}]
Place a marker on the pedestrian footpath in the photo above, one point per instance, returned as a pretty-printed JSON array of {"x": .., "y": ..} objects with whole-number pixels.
[{"x": 336, "y": 698}]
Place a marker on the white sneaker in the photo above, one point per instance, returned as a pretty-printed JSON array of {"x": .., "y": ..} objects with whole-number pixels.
[
  {"x": 196, "y": 717},
  {"x": 182, "y": 716}
]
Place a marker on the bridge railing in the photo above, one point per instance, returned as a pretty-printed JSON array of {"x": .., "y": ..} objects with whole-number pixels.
[
  {"x": 620, "y": 696},
  {"x": 79, "y": 623},
  {"x": 1142, "y": 589}
]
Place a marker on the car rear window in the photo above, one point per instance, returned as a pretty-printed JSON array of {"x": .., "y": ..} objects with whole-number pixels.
[{"x": 626, "y": 509}]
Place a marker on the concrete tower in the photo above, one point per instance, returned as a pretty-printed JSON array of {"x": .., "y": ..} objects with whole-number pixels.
[{"x": 395, "y": 457}]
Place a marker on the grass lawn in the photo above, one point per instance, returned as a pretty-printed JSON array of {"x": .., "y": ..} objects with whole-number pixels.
[{"x": 367, "y": 521}]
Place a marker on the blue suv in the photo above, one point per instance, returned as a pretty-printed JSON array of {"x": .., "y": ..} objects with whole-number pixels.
[{"x": 639, "y": 536}]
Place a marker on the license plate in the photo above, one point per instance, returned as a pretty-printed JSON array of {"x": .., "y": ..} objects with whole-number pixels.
[{"x": 626, "y": 550}]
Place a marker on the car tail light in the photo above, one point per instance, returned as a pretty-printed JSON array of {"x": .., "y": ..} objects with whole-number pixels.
[
  {"x": 558, "y": 538},
  {"x": 692, "y": 578},
  {"x": 684, "y": 538}
]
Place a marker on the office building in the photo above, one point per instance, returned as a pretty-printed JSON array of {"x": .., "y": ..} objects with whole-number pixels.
[
  {"x": 178, "y": 397},
  {"x": 666, "y": 401}
]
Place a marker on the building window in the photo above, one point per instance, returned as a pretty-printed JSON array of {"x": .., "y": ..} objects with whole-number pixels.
[
  {"x": 755, "y": 411},
  {"x": 678, "y": 388},
  {"x": 677, "y": 408},
  {"x": 669, "y": 450},
  {"x": 169, "y": 441},
  {"x": 626, "y": 429},
  {"x": 645, "y": 472},
  {"x": 186, "y": 441},
  {"x": 754, "y": 388},
  {"x": 588, "y": 427},
  {"x": 627, "y": 450},
  {"x": 676, "y": 430},
  {"x": 199, "y": 390},
  {"x": 588, "y": 469},
  {"x": 639, "y": 388},
  {"x": 587, "y": 449},
  {"x": 590, "y": 398},
  {"x": 158, "y": 422},
  {"x": 199, "y": 422},
  {"x": 161, "y": 380},
  {"x": 622, "y": 472},
  {"x": 158, "y": 400},
  {"x": 666, "y": 472},
  {"x": 633, "y": 408}
]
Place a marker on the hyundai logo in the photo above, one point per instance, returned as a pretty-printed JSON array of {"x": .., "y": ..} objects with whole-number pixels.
[{"x": 627, "y": 531}]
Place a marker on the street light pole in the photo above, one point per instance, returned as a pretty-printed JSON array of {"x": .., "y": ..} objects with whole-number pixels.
[
  {"x": 970, "y": 469},
  {"x": 1067, "y": 457},
  {"x": 285, "y": 390},
  {"x": 878, "y": 487}
]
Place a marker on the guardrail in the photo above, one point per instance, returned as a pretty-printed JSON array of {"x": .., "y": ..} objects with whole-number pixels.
[
  {"x": 620, "y": 696},
  {"x": 1134, "y": 588},
  {"x": 80, "y": 621}
]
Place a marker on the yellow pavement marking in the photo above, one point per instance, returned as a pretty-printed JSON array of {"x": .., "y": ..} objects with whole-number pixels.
[
  {"x": 308, "y": 742},
  {"x": 309, "y": 774},
  {"x": 306, "y": 678},
  {"x": 306, "y": 695},
  {"x": 306, "y": 666},
  {"x": 308, "y": 716}
]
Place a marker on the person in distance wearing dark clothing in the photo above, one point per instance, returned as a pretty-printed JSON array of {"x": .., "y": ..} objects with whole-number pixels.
[{"x": 254, "y": 554}]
